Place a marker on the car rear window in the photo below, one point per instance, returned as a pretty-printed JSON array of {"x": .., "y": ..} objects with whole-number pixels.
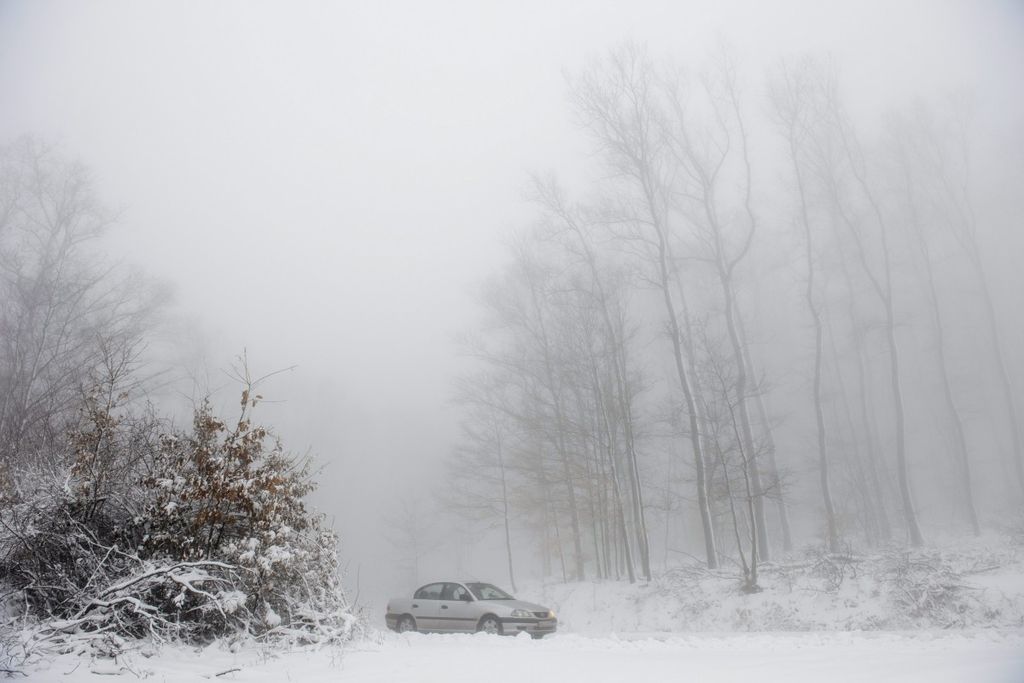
[{"x": 431, "y": 592}]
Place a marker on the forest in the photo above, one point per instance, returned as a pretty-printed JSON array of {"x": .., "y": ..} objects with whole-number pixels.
[{"x": 758, "y": 325}]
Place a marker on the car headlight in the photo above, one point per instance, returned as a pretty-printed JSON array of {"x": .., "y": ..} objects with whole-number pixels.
[
  {"x": 551, "y": 614},
  {"x": 521, "y": 613}
]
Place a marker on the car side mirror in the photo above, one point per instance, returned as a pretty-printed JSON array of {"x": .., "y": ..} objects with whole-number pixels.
[{"x": 467, "y": 598}]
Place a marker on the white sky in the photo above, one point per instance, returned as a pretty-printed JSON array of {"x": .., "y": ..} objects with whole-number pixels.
[{"x": 325, "y": 183}]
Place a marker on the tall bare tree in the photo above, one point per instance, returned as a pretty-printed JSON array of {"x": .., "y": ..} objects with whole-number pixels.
[
  {"x": 950, "y": 165},
  {"x": 710, "y": 157},
  {"x": 616, "y": 103},
  {"x": 910, "y": 144},
  {"x": 846, "y": 178},
  {"x": 572, "y": 224},
  {"x": 792, "y": 98}
]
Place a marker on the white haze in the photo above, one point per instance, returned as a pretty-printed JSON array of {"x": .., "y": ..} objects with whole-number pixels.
[{"x": 326, "y": 184}]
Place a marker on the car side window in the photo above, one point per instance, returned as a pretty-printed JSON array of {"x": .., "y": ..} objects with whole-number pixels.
[
  {"x": 430, "y": 592},
  {"x": 453, "y": 591}
]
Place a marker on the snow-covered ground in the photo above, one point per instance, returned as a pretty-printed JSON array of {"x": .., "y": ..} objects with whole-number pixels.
[
  {"x": 938, "y": 614},
  {"x": 974, "y": 657},
  {"x": 977, "y": 584}
]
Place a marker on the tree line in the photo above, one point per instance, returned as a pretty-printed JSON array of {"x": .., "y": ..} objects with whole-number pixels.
[{"x": 623, "y": 373}]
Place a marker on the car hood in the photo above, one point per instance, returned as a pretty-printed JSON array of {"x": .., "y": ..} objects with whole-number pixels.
[{"x": 514, "y": 604}]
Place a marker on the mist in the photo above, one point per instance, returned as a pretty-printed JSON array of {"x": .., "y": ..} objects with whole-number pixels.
[{"x": 363, "y": 196}]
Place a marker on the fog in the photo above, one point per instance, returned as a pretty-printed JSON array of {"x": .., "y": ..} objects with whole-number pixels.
[{"x": 327, "y": 187}]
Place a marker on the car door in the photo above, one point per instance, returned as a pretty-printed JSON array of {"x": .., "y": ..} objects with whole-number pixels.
[
  {"x": 456, "y": 609},
  {"x": 426, "y": 605}
]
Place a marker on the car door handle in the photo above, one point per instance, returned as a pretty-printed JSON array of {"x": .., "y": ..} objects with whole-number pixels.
[
  {"x": 444, "y": 606},
  {"x": 414, "y": 606}
]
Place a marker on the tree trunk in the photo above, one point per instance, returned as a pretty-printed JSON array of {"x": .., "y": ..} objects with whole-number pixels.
[
  {"x": 884, "y": 289},
  {"x": 1005, "y": 384},
  {"x": 616, "y": 489},
  {"x": 953, "y": 411},
  {"x": 505, "y": 517},
  {"x": 753, "y": 476},
  {"x": 579, "y": 570}
]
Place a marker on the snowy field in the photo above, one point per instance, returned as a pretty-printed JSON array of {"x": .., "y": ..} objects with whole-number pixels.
[
  {"x": 930, "y": 615},
  {"x": 976, "y": 657}
]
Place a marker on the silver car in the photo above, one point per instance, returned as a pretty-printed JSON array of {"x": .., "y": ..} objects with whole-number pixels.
[{"x": 467, "y": 607}]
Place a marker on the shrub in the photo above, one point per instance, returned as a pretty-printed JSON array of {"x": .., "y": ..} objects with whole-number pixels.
[{"x": 197, "y": 535}]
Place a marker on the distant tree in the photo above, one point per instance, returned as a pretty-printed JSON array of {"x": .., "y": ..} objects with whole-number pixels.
[
  {"x": 733, "y": 491},
  {"x": 606, "y": 291},
  {"x": 912, "y": 145},
  {"x": 411, "y": 531},
  {"x": 67, "y": 318},
  {"x": 849, "y": 179},
  {"x": 792, "y": 96},
  {"x": 947, "y": 156},
  {"x": 479, "y": 474}
]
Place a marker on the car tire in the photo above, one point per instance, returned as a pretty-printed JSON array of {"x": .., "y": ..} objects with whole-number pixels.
[
  {"x": 405, "y": 624},
  {"x": 489, "y": 624}
]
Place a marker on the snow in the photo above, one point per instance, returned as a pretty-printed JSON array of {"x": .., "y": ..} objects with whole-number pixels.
[
  {"x": 988, "y": 656},
  {"x": 935, "y": 615},
  {"x": 271, "y": 618},
  {"x": 977, "y": 587},
  {"x": 232, "y": 601}
]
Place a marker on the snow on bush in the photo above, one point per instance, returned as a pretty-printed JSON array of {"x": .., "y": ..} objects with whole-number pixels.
[
  {"x": 169, "y": 535},
  {"x": 233, "y": 493}
]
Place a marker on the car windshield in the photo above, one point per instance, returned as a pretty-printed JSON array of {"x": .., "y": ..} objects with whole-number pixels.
[{"x": 485, "y": 591}]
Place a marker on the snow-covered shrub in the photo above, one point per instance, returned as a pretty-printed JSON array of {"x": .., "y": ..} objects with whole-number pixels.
[
  {"x": 170, "y": 534},
  {"x": 75, "y": 566},
  {"x": 927, "y": 587},
  {"x": 234, "y": 495},
  {"x": 832, "y": 568},
  {"x": 10, "y": 656}
]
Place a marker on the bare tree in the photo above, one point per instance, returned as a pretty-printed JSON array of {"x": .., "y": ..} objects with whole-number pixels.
[
  {"x": 951, "y": 200},
  {"x": 732, "y": 460},
  {"x": 409, "y": 530},
  {"x": 66, "y": 317},
  {"x": 479, "y": 475},
  {"x": 791, "y": 95},
  {"x": 575, "y": 228},
  {"x": 910, "y": 144},
  {"x": 616, "y": 103},
  {"x": 843, "y": 172},
  {"x": 705, "y": 156}
]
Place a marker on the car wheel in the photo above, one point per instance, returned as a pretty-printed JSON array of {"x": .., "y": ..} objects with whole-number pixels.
[
  {"x": 406, "y": 624},
  {"x": 489, "y": 624}
]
